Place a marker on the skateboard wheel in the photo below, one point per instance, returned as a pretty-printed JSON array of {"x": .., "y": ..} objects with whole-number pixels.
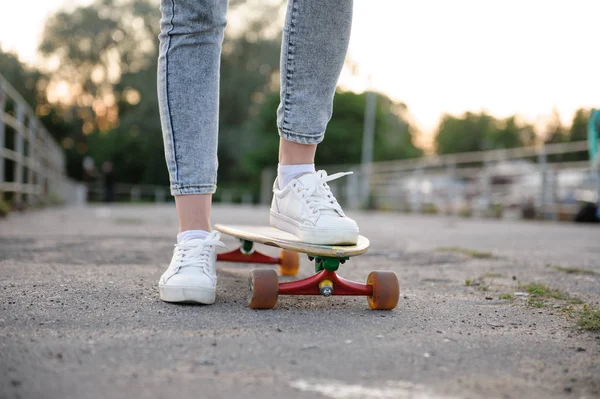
[
  {"x": 289, "y": 262},
  {"x": 264, "y": 287},
  {"x": 386, "y": 290}
]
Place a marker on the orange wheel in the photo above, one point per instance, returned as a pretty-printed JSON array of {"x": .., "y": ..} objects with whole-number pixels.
[
  {"x": 386, "y": 290},
  {"x": 289, "y": 262},
  {"x": 264, "y": 287}
]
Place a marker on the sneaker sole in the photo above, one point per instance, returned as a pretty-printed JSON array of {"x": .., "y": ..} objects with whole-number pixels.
[
  {"x": 180, "y": 294},
  {"x": 313, "y": 236}
]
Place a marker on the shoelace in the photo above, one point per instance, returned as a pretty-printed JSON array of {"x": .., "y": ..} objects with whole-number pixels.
[
  {"x": 198, "y": 254},
  {"x": 319, "y": 197}
]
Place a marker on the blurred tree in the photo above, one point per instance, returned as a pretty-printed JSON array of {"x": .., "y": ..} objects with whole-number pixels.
[
  {"x": 250, "y": 63},
  {"x": 578, "y": 130},
  {"x": 510, "y": 134},
  {"x": 31, "y": 84},
  {"x": 471, "y": 132},
  {"x": 91, "y": 46},
  {"x": 480, "y": 132},
  {"x": 555, "y": 132},
  {"x": 23, "y": 79},
  {"x": 107, "y": 52},
  {"x": 136, "y": 147}
]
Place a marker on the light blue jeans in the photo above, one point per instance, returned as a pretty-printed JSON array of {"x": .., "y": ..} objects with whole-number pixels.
[{"x": 314, "y": 45}]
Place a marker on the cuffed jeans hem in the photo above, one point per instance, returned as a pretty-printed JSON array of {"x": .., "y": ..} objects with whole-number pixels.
[
  {"x": 301, "y": 138},
  {"x": 193, "y": 189}
]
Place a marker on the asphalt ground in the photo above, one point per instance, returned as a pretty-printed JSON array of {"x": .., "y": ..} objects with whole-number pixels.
[{"x": 80, "y": 315}]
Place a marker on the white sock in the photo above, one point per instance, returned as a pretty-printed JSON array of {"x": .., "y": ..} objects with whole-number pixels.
[
  {"x": 190, "y": 235},
  {"x": 287, "y": 173}
]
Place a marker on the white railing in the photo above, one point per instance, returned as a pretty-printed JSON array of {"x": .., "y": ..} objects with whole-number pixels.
[{"x": 32, "y": 164}]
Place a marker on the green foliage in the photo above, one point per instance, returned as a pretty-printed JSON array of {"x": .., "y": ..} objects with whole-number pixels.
[
  {"x": 245, "y": 74},
  {"x": 478, "y": 132},
  {"x": 535, "y": 303},
  {"x": 571, "y": 270},
  {"x": 589, "y": 318},
  {"x": 579, "y": 126},
  {"x": 468, "y": 252},
  {"x": 555, "y": 132},
  {"x": 5, "y": 208},
  {"x": 543, "y": 291},
  {"x": 490, "y": 275},
  {"x": 577, "y": 132},
  {"x": 135, "y": 147}
]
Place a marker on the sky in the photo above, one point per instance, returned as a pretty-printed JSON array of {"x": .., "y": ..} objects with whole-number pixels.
[{"x": 505, "y": 57}]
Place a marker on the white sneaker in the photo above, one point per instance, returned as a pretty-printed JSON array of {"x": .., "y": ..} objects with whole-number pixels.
[
  {"x": 307, "y": 208},
  {"x": 192, "y": 275}
]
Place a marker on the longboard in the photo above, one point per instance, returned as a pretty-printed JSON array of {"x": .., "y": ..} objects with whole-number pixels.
[
  {"x": 381, "y": 289},
  {"x": 278, "y": 238}
]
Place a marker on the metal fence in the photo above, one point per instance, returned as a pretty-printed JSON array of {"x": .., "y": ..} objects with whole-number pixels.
[
  {"x": 530, "y": 182},
  {"x": 125, "y": 192},
  {"x": 32, "y": 164}
]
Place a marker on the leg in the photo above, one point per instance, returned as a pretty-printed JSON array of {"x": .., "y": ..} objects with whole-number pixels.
[
  {"x": 292, "y": 153},
  {"x": 193, "y": 212},
  {"x": 188, "y": 92},
  {"x": 314, "y": 46}
]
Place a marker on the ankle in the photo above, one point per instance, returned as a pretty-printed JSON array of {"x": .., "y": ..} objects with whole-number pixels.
[
  {"x": 193, "y": 211},
  {"x": 287, "y": 173},
  {"x": 191, "y": 235},
  {"x": 292, "y": 153}
]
